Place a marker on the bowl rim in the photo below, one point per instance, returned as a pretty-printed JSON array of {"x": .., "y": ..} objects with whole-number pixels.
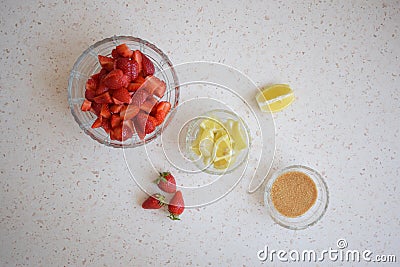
[
  {"x": 116, "y": 39},
  {"x": 271, "y": 208}
]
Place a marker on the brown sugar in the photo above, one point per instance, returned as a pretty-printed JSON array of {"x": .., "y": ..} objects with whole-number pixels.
[{"x": 293, "y": 193}]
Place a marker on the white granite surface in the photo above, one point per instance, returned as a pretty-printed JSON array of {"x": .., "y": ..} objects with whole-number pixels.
[{"x": 66, "y": 200}]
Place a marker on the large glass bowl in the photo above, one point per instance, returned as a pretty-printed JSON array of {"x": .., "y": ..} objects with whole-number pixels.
[{"x": 87, "y": 64}]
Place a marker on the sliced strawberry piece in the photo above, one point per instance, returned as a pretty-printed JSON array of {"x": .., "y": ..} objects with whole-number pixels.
[
  {"x": 137, "y": 56},
  {"x": 102, "y": 88},
  {"x": 117, "y": 102},
  {"x": 150, "y": 124},
  {"x": 91, "y": 84},
  {"x": 147, "y": 66},
  {"x": 160, "y": 90},
  {"x": 139, "y": 79},
  {"x": 116, "y": 79},
  {"x": 149, "y": 104},
  {"x": 122, "y": 95},
  {"x": 126, "y": 133},
  {"x": 114, "y": 54},
  {"x": 96, "y": 108},
  {"x": 115, "y": 120},
  {"x": 103, "y": 98},
  {"x": 155, "y": 86},
  {"x": 97, "y": 123},
  {"x": 160, "y": 111},
  {"x": 140, "y": 124},
  {"x": 124, "y": 51},
  {"x": 114, "y": 108},
  {"x": 86, "y": 105},
  {"x": 106, "y": 125},
  {"x": 128, "y": 67},
  {"x": 139, "y": 97},
  {"x": 133, "y": 87},
  {"x": 90, "y": 95},
  {"x": 129, "y": 113},
  {"x": 116, "y": 133},
  {"x": 106, "y": 62},
  {"x": 105, "y": 111}
]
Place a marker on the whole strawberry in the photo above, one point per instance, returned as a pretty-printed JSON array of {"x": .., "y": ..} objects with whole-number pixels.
[
  {"x": 176, "y": 206},
  {"x": 155, "y": 201},
  {"x": 166, "y": 182}
]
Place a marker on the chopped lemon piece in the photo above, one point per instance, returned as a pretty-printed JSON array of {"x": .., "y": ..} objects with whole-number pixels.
[{"x": 275, "y": 98}]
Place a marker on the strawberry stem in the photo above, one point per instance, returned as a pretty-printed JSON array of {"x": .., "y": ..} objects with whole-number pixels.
[{"x": 174, "y": 217}]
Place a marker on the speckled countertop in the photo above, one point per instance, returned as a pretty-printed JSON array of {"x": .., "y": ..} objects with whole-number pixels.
[{"x": 66, "y": 200}]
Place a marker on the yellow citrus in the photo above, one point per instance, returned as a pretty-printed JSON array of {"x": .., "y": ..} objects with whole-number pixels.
[{"x": 275, "y": 97}]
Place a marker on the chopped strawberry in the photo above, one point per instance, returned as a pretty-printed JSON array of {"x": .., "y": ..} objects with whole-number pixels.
[
  {"x": 122, "y": 95},
  {"x": 124, "y": 50},
  {"x": 103, "y": 98},
  {"x": 150, "y": 125},
  {"x": 115, "y": 120},
  {"x": 160, "y": 111},
  {"x": 160, "y": 90},
  {"x": 106, "y": 62},
  {"x": 137, "y": 56},
  {"x": 114, "y": 108},
  {"x": 102, "y": 88},
  {"x": 91, "y": 84},
  {"x": 129, "y": 113},
  {"x": 117, "y": 102},
  {"x": 105, "y": 111},
  {"x": 149, "y": 104},
  {"x": 90, "y": 95},
  {"x": 96, "y": 108},
  {"x": 86, "y": 105},
  {"x": 126, "y": 133},
  {"x": 106, "y": 125},
  {"x": 128, "y": 67},
  {"x": 97, "y": 123},
  {"x": 133, "y": 87},
  {"x": 147, "y": 66},
  {"x": 140, "y": 124},
  {"x": 114, "y": 54},
  {"x": 121, "y": 133},
  {"x": 139, "y": 97},
  {"x": 116, "y": 79},
  {"x": 139, "y": 79}
]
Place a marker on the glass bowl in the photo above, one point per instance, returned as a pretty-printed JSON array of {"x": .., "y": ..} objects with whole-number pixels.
[
  {"x": 87, "y": 64},
  {"x": 312, "y": 215},
  {"x": 222, "y": 116}
]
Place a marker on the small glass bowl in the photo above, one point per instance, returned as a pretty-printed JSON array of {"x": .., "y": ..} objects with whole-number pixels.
[
  {"x": 193, "y": 129},
  {"x": 87, "y": 65},
  {"x": 313, "y": 214}
]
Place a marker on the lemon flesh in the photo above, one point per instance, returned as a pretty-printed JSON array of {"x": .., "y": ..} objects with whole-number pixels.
[{"x": 275, "y": 98}]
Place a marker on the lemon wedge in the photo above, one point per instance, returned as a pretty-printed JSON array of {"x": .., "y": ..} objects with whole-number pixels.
[
  {"x": 206, "y": 144},
  {"x": 275, "y": 97}
]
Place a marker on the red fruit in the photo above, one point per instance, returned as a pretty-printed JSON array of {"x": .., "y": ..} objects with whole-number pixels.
[
  {"x": 137, "y": 56},
  {"x": 106, "y": 125},
  {"x": 103, "y": 98},
  {"x": 97, "y": 123},
  {"x": 128, "y": 67},
  {"x": 149, "y": 104},
  {"x": 120, "y": 133},
  {"x": 106, "y": 62},
  {"x": 105, "y": 111},
  {"x": 155, "y": 201},
  {"x": 160, "y": 111},
  {"x": 166, "y": 182},
  {"x": 140, "y": 124},
  {"x": 176, "y": 206},
  {"x": 96, "y": 108},
  {"x": 91, "y": 84},
  {"x": 132, "y": 87},
  {"x": 90, "y": 95},
  {"x": 147, "y": 66},
  {"x": 160, "y": 90},
  {"x": 122, "y": 95},
  {"x": 114, "y": 108},
  {"x": 155, "y": 86},
  {"x": 115, "y": 120},
  {"x": 139, "y": 79},
  {"x": 129, "y": 113},
  {"x": 86, "y": 105},
  {"x": 150, "y": 125},
  {"x": 102, "y": 88},
  {"x": 124, "y": 51},
  {"x": 139, "y": 97},
  {"x": 116, "y": 79},
  {"x": 115, "y": 54},
  {"x": 117, "y": 102},
  {"x": 129, "y": 124}
]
